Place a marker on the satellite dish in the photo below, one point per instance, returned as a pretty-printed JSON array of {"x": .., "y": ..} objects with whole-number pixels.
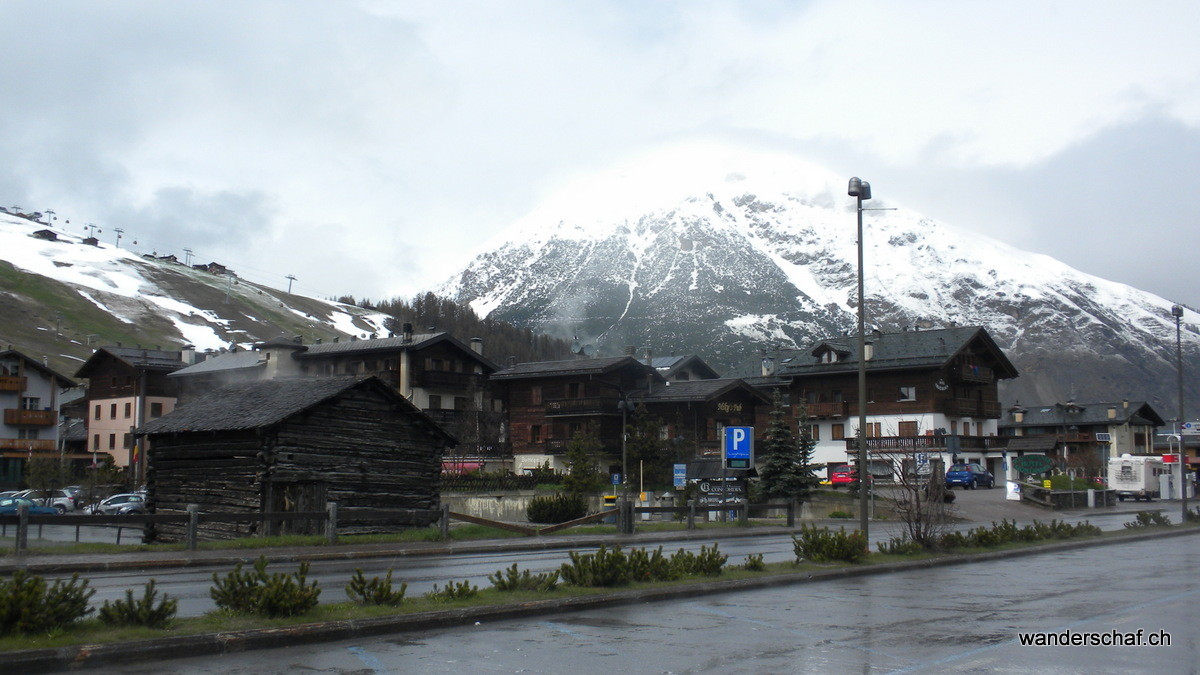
[
  {"x": 575, "y": 347},
  {"x": 588, "y": 350}
]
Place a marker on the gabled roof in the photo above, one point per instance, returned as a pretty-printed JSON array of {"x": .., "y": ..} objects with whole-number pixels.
[
  {"x": 1085, "y": 414},
  {"x": 571, "y": 367},
  {"x": 390, "y": 344},
  {"x": 900, "y": 351},
  {"x": 27, "y": 362},
  {"x": 698, "y": 390},
  {"x": 141, "y": 359},
  {"x": 254, "y": 405},
  {"x": 223, "y": 363},
  {"x": 669, "y": 365}
]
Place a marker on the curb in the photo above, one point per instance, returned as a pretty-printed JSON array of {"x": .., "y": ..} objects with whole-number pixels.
[{"x": 208, "y": 644}]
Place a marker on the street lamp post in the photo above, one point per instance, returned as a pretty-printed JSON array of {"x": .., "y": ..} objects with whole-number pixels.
[
  {"x": 1177, "y": 312},
  {"x": 861, "y": 191}
]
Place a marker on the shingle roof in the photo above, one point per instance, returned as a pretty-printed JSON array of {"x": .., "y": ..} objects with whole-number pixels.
[
  {"x": 1030, "y": 443},
  {"x": 221, "y": 363},
  {"x": 569, "y": 367},
  {"x": 391, "y": 344},
  {"x": 253, "y": 405},
  {"x": 1086, "y": 414},
  {"x": 697, "y": 390},
  {"x": 910, "y": 349},
  {"x": 668, "y": 365},
  {"x": 45, "y": 370},
  {"x": 145, "y": 359}
]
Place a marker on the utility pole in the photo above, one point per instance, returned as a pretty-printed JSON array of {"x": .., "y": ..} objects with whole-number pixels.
[
  {"x": 187, "y": 257},
  {"x": 290, "y": 278},
  {"x": 119, "y": 232},
  {"x": 92, "y": 229},
  {"x": 49, "y": 216}
]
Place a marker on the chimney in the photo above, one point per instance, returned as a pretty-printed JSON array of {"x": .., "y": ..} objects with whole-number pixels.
[
  {"x": 512, "y": 361},
  {"x": 649, "y": 357},
  {"x": 1018, "y": 412},
  {"x": 630, "y": 350},
  {"x": 408, "y": 331},
  {"x": 1125, "y": 403},
  {"x": 1112, "y": 412},
  {"x": 188, "y": 354},
  {"x": 337, "y": 338},
  {"x": 298, "y": 339},
  {"x": 477, "y": 345},
  {"x": 868, "y": 349}
]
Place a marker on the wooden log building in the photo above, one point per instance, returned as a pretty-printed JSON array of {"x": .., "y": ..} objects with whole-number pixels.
[{"x": 292, "y": 445}]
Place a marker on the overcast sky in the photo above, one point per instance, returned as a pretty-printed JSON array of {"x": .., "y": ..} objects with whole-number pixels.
[{"x": 368, "y": 148}]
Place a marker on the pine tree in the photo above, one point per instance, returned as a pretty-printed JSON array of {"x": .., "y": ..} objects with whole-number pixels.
[
  {"x": 583, "y": 477},
  {"x": 787, "y": 467}
]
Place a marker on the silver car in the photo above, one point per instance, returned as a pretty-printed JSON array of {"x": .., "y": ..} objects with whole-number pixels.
[
  {"x": 127, "y": 502},
  {"x": 60, "y": 500}
]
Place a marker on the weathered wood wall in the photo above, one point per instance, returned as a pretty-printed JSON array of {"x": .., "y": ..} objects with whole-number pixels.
[{"x": 360, "y": 449}]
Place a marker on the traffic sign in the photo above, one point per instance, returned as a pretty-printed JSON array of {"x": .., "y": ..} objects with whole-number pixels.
[
  {"x": 680, "y": 475},
  {"x": 737, "y": 451}
]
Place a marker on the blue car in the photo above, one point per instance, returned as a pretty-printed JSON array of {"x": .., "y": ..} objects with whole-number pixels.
[
  {"x": 9, "y": 505},
  {"x": 969, "y": 476}
]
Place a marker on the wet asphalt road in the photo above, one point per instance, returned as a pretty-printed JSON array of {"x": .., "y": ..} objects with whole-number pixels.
[{"x": 954, "y": 619}]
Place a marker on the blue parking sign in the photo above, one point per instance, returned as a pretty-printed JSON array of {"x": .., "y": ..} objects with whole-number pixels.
[{"x": 737, "y": 450}]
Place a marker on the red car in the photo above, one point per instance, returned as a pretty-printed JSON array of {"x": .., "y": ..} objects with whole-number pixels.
[{"x": 842, "y": 475}]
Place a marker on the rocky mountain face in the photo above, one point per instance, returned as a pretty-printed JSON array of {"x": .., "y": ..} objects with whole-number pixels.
[
  {"x": 60, "y": 298},
  {"x": 725, "y": 253}
]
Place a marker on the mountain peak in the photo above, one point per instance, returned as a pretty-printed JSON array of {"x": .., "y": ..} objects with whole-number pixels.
[{"x": 724, "y": 250}]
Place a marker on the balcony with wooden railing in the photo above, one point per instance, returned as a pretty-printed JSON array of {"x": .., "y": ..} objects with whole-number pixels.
[
  {"x": 12, "y": 383},
  {"x": 969, "y": 407},
  {"x": 26, "y": 444},
  {"x": 442, "y": 379},
  {"x": 587, "y": 405},
  {"x": 834, "y": 409},
  {"x": 930, "y": 443},
  {"x": 972, "y": 373},
  {"x": 30, "y": 418}
]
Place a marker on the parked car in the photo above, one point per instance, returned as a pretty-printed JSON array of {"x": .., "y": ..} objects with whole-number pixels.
[
  {"x": 8, "y": 493},
  {"x": 128, "y": 502},
  {"x": 9, "y": 506},
  {"x": 842, "y": 475},
  {"x": 76, "y": 492},
  {"x": 970, "y": 476},
  {"x": 60, "y": 500}
]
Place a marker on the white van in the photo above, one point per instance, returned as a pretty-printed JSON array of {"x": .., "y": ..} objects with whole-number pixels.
[{"x": 1135, "y": 476}]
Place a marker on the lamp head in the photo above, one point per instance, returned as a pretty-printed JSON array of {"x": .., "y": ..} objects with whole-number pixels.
[
  {"x": 1176, "y": 311},
  {"x": 859, "y": 188}
]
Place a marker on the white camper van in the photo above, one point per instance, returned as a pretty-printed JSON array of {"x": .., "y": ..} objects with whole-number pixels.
[{"x": 1135, "y": 476}]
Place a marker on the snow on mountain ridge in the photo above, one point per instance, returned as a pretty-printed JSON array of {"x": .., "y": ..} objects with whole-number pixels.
[
  {"x": 140, "y": 291},
  {"x": 736, "y": 257}
]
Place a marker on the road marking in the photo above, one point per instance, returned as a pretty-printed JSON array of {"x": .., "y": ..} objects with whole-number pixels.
[
  {"x": 560, "y": 628},
  {"x": 368, "y": 659}
]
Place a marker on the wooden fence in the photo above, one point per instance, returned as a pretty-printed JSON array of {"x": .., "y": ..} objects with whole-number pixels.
[{"x": 624, "y": 516}]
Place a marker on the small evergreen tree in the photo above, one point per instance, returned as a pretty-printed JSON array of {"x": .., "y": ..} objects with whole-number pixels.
[
  {"x": 651, "y": 455},
  {"x": 583, "y": 477},
  {"x": 787, "y": 467}
]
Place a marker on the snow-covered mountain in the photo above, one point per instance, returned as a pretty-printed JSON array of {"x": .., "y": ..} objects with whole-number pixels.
[
  {"x": 722, "y": 252},
  {"x": 60, "y": 298}
]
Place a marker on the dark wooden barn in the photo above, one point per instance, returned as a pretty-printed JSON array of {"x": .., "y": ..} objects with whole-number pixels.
[{"x": 294, "y": 445}]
